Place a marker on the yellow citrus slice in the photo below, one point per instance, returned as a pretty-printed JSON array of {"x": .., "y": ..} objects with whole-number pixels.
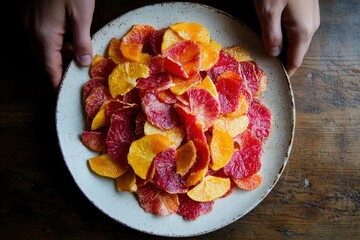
[
  {"x": 209, "y": 189},
  {"x": 221, "y": 149},
  {"x": 239, "y": 53},
  {"x": 170, "y": 38},
  {"x": 233, "y": 126},
  {"x": 127, "y": 181},
  {"x": 104, "y": 166},
  {"x": 185, "y": 157},
  {"x": 209, "y": 85},
  {"x": 175, "y": 134},
  {"x": 123, "y": 78},
  {"x": 143, "y": 151},
  {"x": 96, "y": 59},
  {"x": 100, "y": 118},
  {"x": 192, "y": 31}
]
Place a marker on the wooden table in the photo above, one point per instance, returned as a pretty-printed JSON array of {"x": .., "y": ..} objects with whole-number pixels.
[{"x": 317, "y": 197}]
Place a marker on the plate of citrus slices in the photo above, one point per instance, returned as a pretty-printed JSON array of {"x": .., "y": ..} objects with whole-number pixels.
[{"x": 181, "y": 125}]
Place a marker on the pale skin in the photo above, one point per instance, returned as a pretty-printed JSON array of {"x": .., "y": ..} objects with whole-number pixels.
[
  {"x": 297, "y": 20},
  {"x": 47, "y": 22}
]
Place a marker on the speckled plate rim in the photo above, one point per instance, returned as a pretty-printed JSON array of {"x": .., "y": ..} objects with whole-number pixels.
[{"x": 123, "y": 207}]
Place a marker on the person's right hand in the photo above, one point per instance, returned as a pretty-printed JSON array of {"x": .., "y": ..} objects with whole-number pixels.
[
  {"x": 297, "y": 20},
  {"x": 47, "y": 21}
]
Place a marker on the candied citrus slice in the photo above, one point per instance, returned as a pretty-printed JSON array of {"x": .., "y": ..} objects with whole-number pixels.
[
  {"x": 127, "y": 181},
  {"x": 239, "y": 53},
  {"x": 221, "y": 149},
  {"x": 143, "y": 151},
  {"x": 104, "y": 166},
  {"x": 123, "y": 78},
  {"x": 175, "y": 134},
  {"x": 209, "y": 85},
  {"x": 233, "y": 126},
  {"x": 170, "y": 38},
  {"x": 133, "y": 42},
  {"x": 209, "y": 189},
  {"x": 114, "y": 52},
  {"x": 209, "y": 54},
  {"x": 185, "y": 157},
  {"x": 249, "y": 183},
  {"x": 192, "y": 31}
]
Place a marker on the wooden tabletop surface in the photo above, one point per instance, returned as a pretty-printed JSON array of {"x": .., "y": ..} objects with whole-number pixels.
[{"x": 317, "y": 196}]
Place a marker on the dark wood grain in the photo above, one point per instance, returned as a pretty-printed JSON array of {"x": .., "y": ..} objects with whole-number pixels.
[{"x": 317, "y": 197}]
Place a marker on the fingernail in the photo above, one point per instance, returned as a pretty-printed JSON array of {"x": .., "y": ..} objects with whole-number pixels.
[
  {"x": 85, "y": 60},
  {"x": 274, "y": 51}
]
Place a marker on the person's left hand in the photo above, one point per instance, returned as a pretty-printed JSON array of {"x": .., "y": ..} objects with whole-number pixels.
[{"x": 46, "y": 23}]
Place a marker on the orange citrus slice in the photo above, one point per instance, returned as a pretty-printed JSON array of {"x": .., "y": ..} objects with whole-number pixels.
[
  {"x": 104, "y": 166},
  {"x": 192, "y": 31},
  {"x": 185, "y": 157},
  {"x": 249, "y": 183},
  {"x": 209, "y": 54},
  {"x": 196, "y": 177},
  {"x": 127, "y": 181},
  {"x": 114, "y": 52},
  {"x": 221, "y": 149},
  {"x": 209, "y": 189},
  {"x": 175, "y": 134},
  {"x": 123, "y": 78},
  {"x": 143, "y": 151},
  {"x": 133, "y": 42}
]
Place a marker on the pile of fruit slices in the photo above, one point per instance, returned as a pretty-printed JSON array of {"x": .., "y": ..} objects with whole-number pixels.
[{"x": 176, "y": 118}]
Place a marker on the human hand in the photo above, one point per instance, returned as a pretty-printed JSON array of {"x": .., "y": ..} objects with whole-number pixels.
[
  {"x": 46, "y": 23},
  {"x": 298, "y": 20}
]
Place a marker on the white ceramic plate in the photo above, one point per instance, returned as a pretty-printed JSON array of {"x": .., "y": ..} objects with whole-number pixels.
[{"x": 124, "y": 207}]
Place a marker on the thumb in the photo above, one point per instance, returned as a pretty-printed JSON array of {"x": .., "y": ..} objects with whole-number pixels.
[
  {"x": 270, "y": 19},
  {"x": 81, "y": 23}
]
